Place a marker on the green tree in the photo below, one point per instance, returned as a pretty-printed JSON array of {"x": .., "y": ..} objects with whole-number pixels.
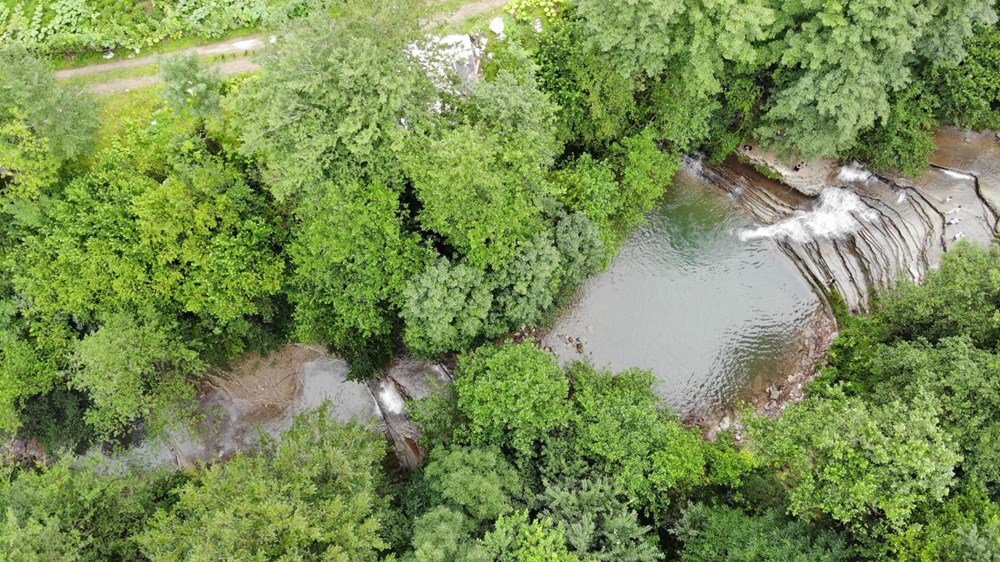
[
  {"x": 312, "y": 496},
  {"x": 131, "y": 369},
  {"x": 597, "y": 104},
  {"x": 961, "y": 297},
  {"x": 966, "y": 383},
  {"x": 353, "y": 261},
  {"x": 970, "y": 90},
  {"x": 190, "y": 87},
  {"x": 335, "y": 99},
  {"x": 599, "y": 524},
  {"x": 645, "y": 171},
  {"x": 686, "y": 43},
  {"x": 80, "y": 510},
  {"x": 965, "y": 527},
  {"x": 515, "y": 539},
  {"x": 513, "y": 396},
  {"x": 582, "y": 249},
  {"x": 719, "y": 533},
  {"x": 461, "y": 493},
  {"x": 867, "y": 466},
  {"x": 623, "y": 435},
  {"x": 56, "y": 115},
  {"x": 445, "y": 308},
  {"x": 484, "y": 201},
  {"x": 526, "y": 288},
  {"x": 904, "y": 141},
  {"x": 28, "y": 166},
  {"x": 201, "y": 243},
  {"x": 838, "y": 64}
]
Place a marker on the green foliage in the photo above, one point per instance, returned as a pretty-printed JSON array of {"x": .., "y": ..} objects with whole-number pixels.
[
  {"x": 352, "y": 264},
  {"x": 582, "y": 249},
  {"x": 331, "y": 101},
  {"x": 970, "y": 91},
  {"x": 645, "y": 173},
  {"x": 482, "y": 184},
  {"x": 596, "y": 103},
  {"x": 36, "y": 112},
  {"x": 866, "y": 466},
  {"x": 515, "y": 539},
  {"x": 478, "y": 482},
  {"x": 690, "y": 38},
  {"x": 84, "y": 512},
  {"x": 738, "y": 115},
  {"x": 839, "y": 63},
  {"x": 444, "y": 534},
  {"x": 445, "y": 308},
  {"x": 190, "y": 87},
  {"x": 966, "y": 527},
  {"x": 903, "y": 142},
  {"x": 513, "y": 396},
  {"x": 474, "y": 197},
  {"x": 71, "y": 26},
  {"x": 589, "y": 186},
  {"x": 598, "y": 522},
  {"x": 129, "y": 368},
  {"x": 526, "y": 288},
  {"x": 28, "y": 166},
  {"x": 200, "y": 243},
  {"x": 718, "y": 533},
  {"x": 622, "y": 434},
  {"x": 961, "y": 297},
  {"x": 965, "y": 382},
  {"x": 312, "y": 496}
]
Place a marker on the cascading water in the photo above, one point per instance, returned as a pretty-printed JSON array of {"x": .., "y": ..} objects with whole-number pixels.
[{"x": 863, "y": 231}]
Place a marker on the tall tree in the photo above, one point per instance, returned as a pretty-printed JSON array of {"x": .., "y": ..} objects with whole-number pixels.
[
  {"x": 838, "y": 63},
  {"x": 312, "y": 496}
]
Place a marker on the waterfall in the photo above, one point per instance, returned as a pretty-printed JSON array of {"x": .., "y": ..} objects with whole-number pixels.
[{"x": 861, "y": 232}]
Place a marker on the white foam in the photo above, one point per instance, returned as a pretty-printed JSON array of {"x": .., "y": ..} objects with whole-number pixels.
[
  {"x": 957, "y": 175},
  {"x": 902, "y": 198},
  {"x": 390, "y": 398},
  {"x": 852, "y": 173},
  {"x": 836, "y": 214}
]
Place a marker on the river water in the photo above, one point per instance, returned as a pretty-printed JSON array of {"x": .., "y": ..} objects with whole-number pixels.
[{"x": 714, "y": 314}]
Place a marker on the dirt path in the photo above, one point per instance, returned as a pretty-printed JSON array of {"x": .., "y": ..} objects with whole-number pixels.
[
  {"x": 237, "y": 45},
  {"x": 472, "y": 10},
  {"x": 232, "y": 46}
]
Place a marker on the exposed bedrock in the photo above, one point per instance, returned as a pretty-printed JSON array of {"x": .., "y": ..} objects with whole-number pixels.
[
  {"x": 859, "y": 232},
  {"x": 264, "y": 394}
]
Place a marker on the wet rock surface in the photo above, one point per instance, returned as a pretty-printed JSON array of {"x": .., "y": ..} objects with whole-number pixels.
[
  {"x": 404, "y": 380},
  {"x": 863, "y": 232},
  {"x": 258, "y": 395}
]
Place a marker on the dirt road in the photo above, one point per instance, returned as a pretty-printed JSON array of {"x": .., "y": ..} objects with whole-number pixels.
[{"x": 241, "y": 46}]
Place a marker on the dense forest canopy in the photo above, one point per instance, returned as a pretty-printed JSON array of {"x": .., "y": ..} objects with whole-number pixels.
[{"x": 347, "y": 196}]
